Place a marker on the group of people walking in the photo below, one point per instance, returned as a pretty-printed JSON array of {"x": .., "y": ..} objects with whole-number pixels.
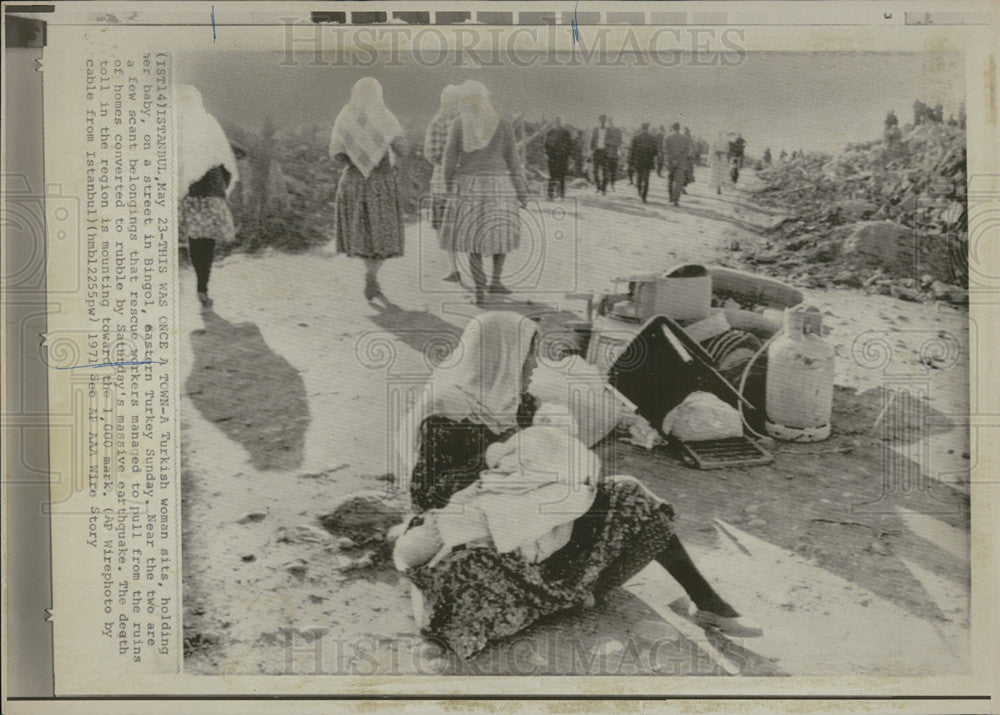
[
  {"x": 477, "y": 185},
  {"x": 607, "y": 149},
  {"x": 674, "y": 151}
]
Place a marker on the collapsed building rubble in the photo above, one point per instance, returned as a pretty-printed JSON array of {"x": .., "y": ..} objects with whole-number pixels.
[{"x": 888, "y": 216}]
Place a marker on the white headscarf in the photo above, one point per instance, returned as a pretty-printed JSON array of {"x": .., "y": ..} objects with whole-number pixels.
[
  {"x": 449, "y": 99},
  {"x": 479, "y": 119},
  {"x": 483, "y": 386},
  {"x": 365, "y": 127},
  {"x": 201, "y": 143}
]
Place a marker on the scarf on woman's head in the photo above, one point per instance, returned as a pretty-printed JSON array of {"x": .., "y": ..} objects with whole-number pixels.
[
  {"x": 481, "y": 385},
  {"x": 201, "y": 143},
  {"x": 365, "y": 128},
  {"x": 448, "y": 111},
  {"x": 449, "y": 99},
  {"x": 479, "y": 119}
]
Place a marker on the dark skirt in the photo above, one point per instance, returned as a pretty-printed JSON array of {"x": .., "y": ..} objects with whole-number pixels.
[
  {"x": 475, "y": 596},
  {"x": 369, "y": 213}
]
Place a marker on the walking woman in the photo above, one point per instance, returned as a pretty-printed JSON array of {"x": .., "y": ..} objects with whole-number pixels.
[
  {"x": 206, "y": 172},
  {"x": 481, "y": 168},
  {"x": 474, "y": 594},
  {"x": 368, "y": 213},
  {"x": 434, "y": 143}
]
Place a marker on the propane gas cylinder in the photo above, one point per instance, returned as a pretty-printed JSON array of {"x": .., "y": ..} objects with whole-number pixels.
[{"x": 799, "y": 382}]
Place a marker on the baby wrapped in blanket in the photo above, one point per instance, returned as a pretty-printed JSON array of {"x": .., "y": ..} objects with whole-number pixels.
[{"x": 536, "y": 484}]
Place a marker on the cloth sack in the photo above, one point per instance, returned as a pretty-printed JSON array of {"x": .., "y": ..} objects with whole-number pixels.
[
  {"x": 703, "y": 416},
  {"x": 582, "y": 388}
]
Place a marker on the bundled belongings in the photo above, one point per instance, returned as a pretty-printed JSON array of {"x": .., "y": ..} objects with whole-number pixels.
[
  {"x": 702, "y": 416},
  {"x": 659, "y": 371},
  {"x": 683, "y": 293}
]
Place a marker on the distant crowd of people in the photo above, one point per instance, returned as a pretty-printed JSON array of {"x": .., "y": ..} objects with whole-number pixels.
[
  {"x": 600, "y": 157},
  {"x": 922, "y": 114}
]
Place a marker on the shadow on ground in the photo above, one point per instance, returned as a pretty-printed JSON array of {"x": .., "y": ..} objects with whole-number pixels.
[
  {"x": 249, "y": 391},
  {"x": 619, "y": 636}
]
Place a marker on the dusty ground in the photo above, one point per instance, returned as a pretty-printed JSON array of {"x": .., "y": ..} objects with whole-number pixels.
[{"x": 852, "y": 553}]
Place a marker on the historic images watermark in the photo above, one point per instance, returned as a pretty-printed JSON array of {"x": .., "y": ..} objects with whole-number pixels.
[
  {"x": 432, "y": 47},
  {"x": 311, "y": 652}
]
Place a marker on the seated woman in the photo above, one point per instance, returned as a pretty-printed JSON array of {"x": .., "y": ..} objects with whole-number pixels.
[
  {"x": 475, "y": 594},
  {"x": 538, "y": 482}
]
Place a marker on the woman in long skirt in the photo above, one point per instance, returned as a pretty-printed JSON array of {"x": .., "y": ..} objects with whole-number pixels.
[
  {"x": 482, "y": 170},
  {"x": 474, "y": 594},
  {"x": 368, "y": 212},
  {"x": 206, "y": 173},
  {"x": 435, "y": 140}
]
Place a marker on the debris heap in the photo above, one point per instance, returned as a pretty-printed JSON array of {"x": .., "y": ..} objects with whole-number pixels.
[{"x": 886, "y": 215}]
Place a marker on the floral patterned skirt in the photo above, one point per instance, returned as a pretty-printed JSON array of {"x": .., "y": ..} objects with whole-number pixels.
[
  {"x": 368, "y": 213},
  {"x": 475, "y": 595},
  {"x": 205, "y": 217}
]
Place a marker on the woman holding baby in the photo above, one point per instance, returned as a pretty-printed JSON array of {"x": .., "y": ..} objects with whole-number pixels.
[{"x": 514, "y": 520}]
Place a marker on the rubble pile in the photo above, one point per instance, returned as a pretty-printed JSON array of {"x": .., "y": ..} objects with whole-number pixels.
[{"x": 886, "y": 215}]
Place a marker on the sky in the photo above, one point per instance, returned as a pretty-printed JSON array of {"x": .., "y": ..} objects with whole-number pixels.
[{"x": 812, "y": 101}]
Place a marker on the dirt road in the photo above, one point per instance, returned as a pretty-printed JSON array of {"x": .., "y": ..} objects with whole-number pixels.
[{"x": 852, "y": 553}]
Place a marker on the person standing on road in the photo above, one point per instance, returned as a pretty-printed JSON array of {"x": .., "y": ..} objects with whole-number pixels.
[
  {"x": 677, "y": 152},
  {"x": 368, "y": 213},
  {"x": 692, "y": 158},
  {"x": 614, "y": 142},
  {"x": 206, "y": 173},
  {"x": 434, "y": 142},
  {"x": 558, "y": 147},
  {"x": 482, "y": 169},
  {"x": 599, "y": 151},
  {"x": 719, "y": 161},
  {"x": 579, "y": 142},
  {"x": 629, "y": 166},
  {"x": 739, "y": 149},
  {"x": 661, "y": 136},
  {"x": 645, "y": 148},
  {"x": 733, "y": 157}
]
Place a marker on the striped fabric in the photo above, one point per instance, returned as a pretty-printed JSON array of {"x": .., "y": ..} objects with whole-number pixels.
[
  {"x": 437, "y": 136},
  {"x": 435, "y": 141},
  {"x": 483, "y": 218}
]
